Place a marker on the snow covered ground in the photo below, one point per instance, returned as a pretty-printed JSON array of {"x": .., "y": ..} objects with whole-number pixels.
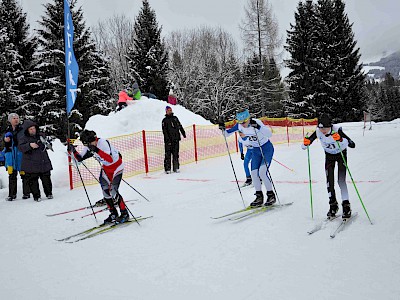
[{"x": 182, "y": 253}]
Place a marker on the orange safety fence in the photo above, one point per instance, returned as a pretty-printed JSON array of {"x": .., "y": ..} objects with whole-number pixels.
[{"x": 143, "y": 152}]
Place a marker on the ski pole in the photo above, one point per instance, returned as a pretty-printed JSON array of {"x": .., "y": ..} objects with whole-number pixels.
[
  {"x": 352, "y": 180},
  {"x": 283, "y": 165},
  {"x": 230, "y": 158},
  {"x": 309, "y": 177},
  {"x": 135, "y": 189},
  {"x": 266, "y": 164},
  {"x": 87, "y": 195}
]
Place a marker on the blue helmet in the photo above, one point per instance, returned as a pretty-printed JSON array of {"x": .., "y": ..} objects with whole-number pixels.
[{"x": 242, "y": 116}]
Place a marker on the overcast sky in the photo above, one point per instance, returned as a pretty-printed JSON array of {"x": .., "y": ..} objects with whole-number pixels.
[{"x": 376, "y": 22}]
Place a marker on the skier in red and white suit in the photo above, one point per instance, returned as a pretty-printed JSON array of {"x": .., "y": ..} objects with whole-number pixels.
[{"x": 111, "y": 171}]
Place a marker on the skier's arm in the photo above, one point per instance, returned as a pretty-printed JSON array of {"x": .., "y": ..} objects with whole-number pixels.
[
  {"x": 342, "y": 134},
  {"x": 308, "y": 140},
  {"x": 231, "y": 130},
  {"x": 24, "y": 145}
]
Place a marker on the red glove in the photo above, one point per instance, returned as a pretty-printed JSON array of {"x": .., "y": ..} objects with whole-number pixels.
[
  {"x": 307, "y": 142},
  {"x": 336, "y": 136}
]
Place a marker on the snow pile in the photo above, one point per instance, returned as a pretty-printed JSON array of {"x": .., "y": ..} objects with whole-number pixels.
[{"x": 143, "y": 114}]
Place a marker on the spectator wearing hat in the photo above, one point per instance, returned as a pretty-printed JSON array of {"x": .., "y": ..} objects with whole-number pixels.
[
  {"x": 35, "y": 160},
  {"x": 172, "y": 130},
  {"x": 13, "y": 158}
]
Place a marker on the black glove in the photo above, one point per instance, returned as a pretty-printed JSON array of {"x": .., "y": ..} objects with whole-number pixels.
[
  {"x": 254, "y": 124},
  {"x": 241, "y": 156},
  {"x": 93, "y": 148},
  {"x": 352, "y": 144},
  {"x": 221, "y": 125},
  {"x": 71, "y": 148},
  {"x": 184, "y": 136}
]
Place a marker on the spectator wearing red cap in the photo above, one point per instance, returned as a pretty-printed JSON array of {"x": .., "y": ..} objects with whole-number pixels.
[{"x": 172, "y": 130}]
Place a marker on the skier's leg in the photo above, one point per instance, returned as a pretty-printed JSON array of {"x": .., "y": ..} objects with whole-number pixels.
[
  {"x": 46, "y": 183},
  {"x": 12, "y": 184},
  {"x": 330, "y": 183},
  {"x": 246, "y": 162},
  {"x": 342, "y": 177}
]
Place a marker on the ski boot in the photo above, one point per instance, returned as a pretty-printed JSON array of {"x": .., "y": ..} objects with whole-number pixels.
[
  {"x": 248, "y": 181},
  {"x": 271, "y": 199},
  {"x": 259, "y": 199},
  {"x": 112, "y": 217},
  {"x": 333, "y": 209},
  {"x": 123, "y": 217},
  {"x": 346, "y": 209}
]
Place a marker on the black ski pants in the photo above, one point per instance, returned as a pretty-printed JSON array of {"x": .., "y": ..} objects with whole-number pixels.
[
  {"x": 12, "y": 183},
  {"x": 171, "y": 149},
  {"x": 330, "y": 161},
  {"x": 33, "y": 179}
]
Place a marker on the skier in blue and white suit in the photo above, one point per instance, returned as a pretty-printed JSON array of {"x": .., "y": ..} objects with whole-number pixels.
[{"x": 258, "y": 136}]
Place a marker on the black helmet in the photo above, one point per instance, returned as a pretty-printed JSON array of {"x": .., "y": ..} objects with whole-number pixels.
[
  {"x": 87, "y": 136},
  {"x": 324, "y": 121}
]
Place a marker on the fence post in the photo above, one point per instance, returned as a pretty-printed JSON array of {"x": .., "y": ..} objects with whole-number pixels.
[
  {"x": 195, "y": 143},
  {"x": 71, "y": 183},
  {"x": 146, "y": 161},
  {"x": 287, "y": 130}
]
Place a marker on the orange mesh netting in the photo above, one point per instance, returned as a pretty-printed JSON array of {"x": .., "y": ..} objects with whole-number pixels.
[{"x": 143, "y": 152}]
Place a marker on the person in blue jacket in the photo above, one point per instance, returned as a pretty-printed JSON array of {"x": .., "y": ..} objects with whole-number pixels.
[
  {"x": 243, "y": 140},
  {"x": 259, "y": 138},
  {"x": 13, "y": 158}
]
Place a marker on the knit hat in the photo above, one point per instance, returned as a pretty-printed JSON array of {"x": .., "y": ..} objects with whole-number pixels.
[
  {"x": 168, "y": 107},
  {"x": 324, "y": 121},
  {"x": 11, "y": 116}
]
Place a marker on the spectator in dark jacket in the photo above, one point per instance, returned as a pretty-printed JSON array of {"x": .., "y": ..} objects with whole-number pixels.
[
  {"x": 13, "y": 158},
  {"x": 172, "y": 130},
  {"x": 35, "y": 160}
]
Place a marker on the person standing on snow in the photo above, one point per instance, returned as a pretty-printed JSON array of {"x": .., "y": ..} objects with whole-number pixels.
[
  {"x": 258, "y": 135},
  {"x": 329, "y": 136},
  {"x": 13, "y": 158},
  {"x": 243, "y": 140},
  {"x": 35, "y": 160},
  {"x": 111, "y": 171},
  {"x": 172, "y": 130}
]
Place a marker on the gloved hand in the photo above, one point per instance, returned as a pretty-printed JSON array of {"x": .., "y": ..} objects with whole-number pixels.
[
  {"x": 306, "y": 141},
  {"x": 336, "y": 136},
  {"x": 8, "y": 134},
  {"x": 352, "y": 144},
  {"x": 71, "y": 148},
  {"x": 254, "y": 124},
  {"x": 184, "y": 136},
  {"x": 221, "y": 126},
  {"x": 241, "y": 156},
  {"x": 93, "y": 148}
]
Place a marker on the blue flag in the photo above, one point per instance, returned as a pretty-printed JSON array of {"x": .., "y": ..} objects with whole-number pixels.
[{"x": 71, "y": 66}]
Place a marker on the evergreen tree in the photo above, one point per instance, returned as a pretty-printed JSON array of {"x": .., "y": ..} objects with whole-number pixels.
[
  {"x": 148, "y": 57},
  {"x": 301, "y": 44},
  {"x": 16, "y": 58},
  {"x": 93, "y": 73},
  {"x": 339, "y": 90}
]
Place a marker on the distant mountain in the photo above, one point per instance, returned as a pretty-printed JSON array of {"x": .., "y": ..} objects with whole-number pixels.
[{"x": 386, "y": 64}]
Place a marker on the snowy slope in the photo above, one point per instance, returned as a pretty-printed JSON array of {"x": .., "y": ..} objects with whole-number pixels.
[
  {"x": 183, "y": 254},
  {"x": 144, "y": 114}
]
